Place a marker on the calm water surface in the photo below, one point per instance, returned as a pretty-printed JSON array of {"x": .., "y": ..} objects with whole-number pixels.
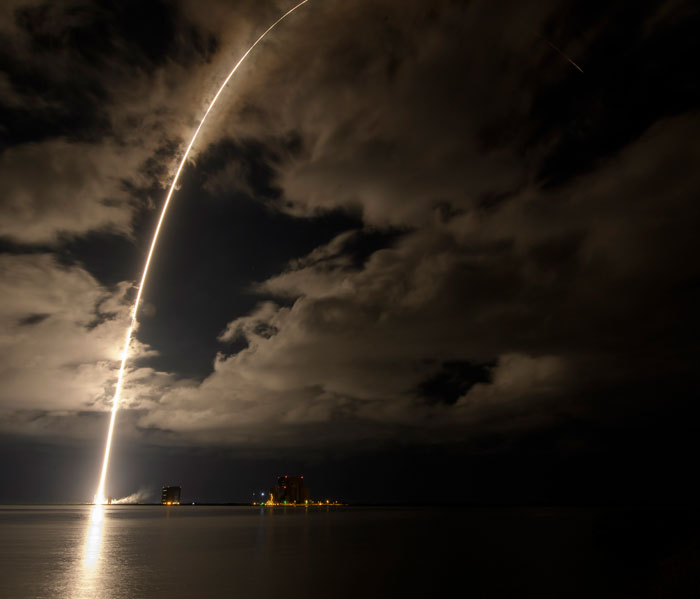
[{"x": 200, "y": 552}]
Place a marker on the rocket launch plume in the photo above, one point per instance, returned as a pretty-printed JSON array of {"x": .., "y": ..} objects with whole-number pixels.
[{"x": 100, "y": 495}]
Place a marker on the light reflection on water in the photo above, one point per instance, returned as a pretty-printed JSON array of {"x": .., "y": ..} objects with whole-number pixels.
[
  {"x": 140, "y": 552},
  {"x": 93, "y": 538},
  {"x": 86, "y": 572}
]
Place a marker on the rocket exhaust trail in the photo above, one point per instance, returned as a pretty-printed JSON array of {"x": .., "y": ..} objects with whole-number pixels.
[
  {"x": 562, "y": 53},
  {"x": 99, "y": 495}
]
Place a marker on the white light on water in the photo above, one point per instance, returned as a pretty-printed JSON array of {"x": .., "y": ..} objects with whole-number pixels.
[{"x": 93, "y": 540}]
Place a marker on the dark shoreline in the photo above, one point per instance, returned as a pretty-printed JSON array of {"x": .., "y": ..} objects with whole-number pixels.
[{"x": 611, "y": 505}]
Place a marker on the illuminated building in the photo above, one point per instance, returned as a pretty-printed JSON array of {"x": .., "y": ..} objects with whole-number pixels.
[
  {"x": 289, "y": 489},
  {"x": 170, "y": 495}
]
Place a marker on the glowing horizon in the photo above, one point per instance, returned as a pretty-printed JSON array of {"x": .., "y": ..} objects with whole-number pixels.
[{"x": 100, "y": 493}]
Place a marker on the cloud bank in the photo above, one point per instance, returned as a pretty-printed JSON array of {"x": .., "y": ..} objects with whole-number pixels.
[{"x": 528, "y": 262}]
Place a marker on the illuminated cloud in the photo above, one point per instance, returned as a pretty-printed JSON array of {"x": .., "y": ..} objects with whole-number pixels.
[
  {"x": 61, "y": 336},
  {"x": 58, "y": 188},
  {"x": 517, "y": 285},
  {"x": 357, "y": 343}
]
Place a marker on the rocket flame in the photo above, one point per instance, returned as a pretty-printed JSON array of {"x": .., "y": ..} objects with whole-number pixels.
[{"x": 100, "y": 495}]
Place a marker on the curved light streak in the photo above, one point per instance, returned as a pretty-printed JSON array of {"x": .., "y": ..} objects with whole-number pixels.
[
  {"x": 99, "y": 495},
  {"x": 561, "y": 52}
]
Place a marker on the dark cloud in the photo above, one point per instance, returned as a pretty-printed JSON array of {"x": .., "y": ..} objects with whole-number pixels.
[{"x": 452, "y": 381}]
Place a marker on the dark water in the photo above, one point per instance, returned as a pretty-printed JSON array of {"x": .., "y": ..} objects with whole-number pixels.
[{"x": 201, "y": 552}]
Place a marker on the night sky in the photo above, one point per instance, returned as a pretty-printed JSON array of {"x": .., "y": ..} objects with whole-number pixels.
[{"x": 418, "y": 256}]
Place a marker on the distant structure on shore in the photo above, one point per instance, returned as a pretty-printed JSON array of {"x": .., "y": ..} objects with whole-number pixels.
[
  {"x": 170, "y": 495},
  {"x": 290, "y": 489}
]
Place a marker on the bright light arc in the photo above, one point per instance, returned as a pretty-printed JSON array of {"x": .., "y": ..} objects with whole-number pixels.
[{"x": 100, "y": 494}]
